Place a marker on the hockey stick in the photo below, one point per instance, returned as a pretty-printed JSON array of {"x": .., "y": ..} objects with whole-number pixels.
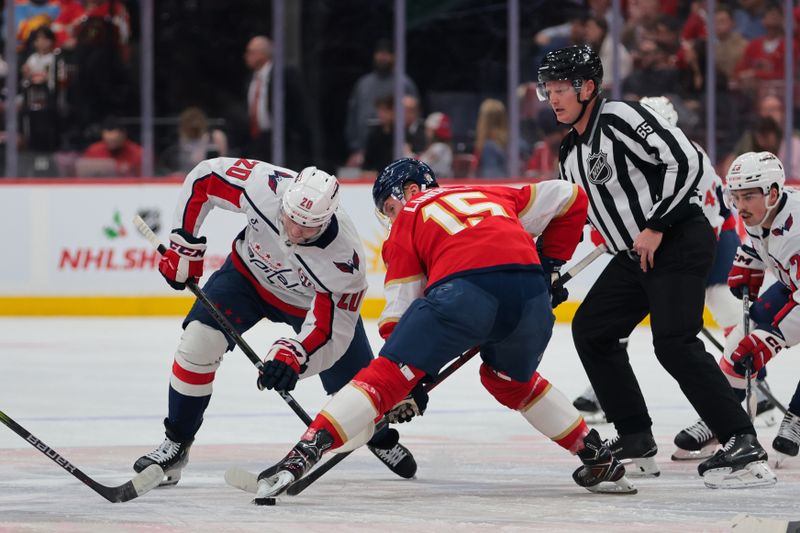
[
  {"x": 147, "y": 479},
  {"x": 750, "y": 399},
  {"x": 301, "y": 484},
  {"x": 580, "y": 265},
  {"x": 224, "y": 323},
  {"x": 708, "y": 335}
]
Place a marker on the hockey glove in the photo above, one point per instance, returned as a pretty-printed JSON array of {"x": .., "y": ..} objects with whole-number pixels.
[
  {"x": 756, "y": 350},
  {"x": 552, "y": 273},
  {"x": 747, "y": 273},
  {"x": 412, "y": 405},
  {"x": 184, "y": 259},
  {"x": 283, "y": 365}
]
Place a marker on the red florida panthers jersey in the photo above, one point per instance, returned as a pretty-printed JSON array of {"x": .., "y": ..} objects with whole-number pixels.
[{"x": 454, "y": 230}]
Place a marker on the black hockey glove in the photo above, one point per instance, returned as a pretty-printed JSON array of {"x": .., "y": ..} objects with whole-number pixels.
[
  {"x": 552, "y": 273},
  {"x": 412, "y": 405}
]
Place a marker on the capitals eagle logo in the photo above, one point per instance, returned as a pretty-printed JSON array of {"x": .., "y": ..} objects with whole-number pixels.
[
  {"x": 276, "y": 176},
  {"x": 786, "y": 227},
  {"x": 349, "y": 266}
]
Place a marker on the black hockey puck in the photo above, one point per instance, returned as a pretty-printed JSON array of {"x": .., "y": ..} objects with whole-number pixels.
[{"x": 264, "y": 501}]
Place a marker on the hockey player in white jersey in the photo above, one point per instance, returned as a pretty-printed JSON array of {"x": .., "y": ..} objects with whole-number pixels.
[
  {"x": 299, "y": 261},
  {"x": 755, "y": 186}
]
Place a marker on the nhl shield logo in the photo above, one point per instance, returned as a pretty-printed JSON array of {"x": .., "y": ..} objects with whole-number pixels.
[{"x": 599, "y": 169}]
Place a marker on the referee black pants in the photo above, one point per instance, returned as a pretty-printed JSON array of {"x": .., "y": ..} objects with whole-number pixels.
[{"x": 673, "y": 292}]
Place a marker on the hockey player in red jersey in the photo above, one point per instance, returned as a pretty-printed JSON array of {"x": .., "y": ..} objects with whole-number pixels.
[
  {"x": 463, "y": 271},
  {"x": 297, "y": 262}
]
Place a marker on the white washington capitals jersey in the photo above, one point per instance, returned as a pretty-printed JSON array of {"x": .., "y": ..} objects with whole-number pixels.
[
  {"x": 778, "y": 248},
  {"x": 323, "y": 281}
]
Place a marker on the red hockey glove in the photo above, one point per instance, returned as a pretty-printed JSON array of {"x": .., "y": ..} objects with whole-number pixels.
[
  {"x": 184, "y": 259},
  {"x": 747, "y": 273},
  {"x": 283, "y": 365},
  {"x": 756, "y": 350}
]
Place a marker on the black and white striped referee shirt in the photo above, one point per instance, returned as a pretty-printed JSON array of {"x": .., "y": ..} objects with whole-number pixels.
[{"x": 638, "y": 171}]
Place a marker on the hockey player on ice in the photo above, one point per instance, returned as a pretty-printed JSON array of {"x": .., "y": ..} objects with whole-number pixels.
[
  {"x": 463, "y": 271},
  {"x": 697, "y": 441},
  {"x": 298, "y": 261},
  {"x": 755, "y": 187}
]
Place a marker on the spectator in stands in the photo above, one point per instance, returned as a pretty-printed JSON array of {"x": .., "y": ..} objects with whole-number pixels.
[
  {"x": 768, "y": 133},
  {"x": 296, "y": 124},
  {"x": 764, "y": 56},
  {"x": 195, "y": 143},
  {"x": 599, "y": 38},
  {"x": 415, "y": 128},
  {"x": 573, "y": 31},
  {"x": 667, "y": 33},
  {"x": 379, "y": 148},
  {"x": 543, "y": 163},
  {"x": 361, "y": 109},
  {"x": 730, "y": 43},
  {"x": 115, "y": 145},
  {"x": 749, "y": 18},
  {"x": 38, "y": 113},
  {"x": 103, "y": 86},
  {"x": 654, "y": 75},
  {"x": 439, "y": 153},
  {"x": 641, "y": 22},
  {"x": 40, "y": 66},
  {"x": 491, "y": 140}
]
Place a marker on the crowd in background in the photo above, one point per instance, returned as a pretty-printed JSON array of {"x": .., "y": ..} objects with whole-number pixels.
[{"x": 79, "y": 97}]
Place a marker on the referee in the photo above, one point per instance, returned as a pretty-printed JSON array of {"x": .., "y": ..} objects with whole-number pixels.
[{"x": 641, "y": 175}]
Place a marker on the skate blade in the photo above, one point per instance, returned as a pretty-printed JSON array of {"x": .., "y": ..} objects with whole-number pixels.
[
  {"x": 641, "y": 467},
  {"x": 597, "y": 417},
  {"x": 241, "y": 479},
  {"x": 780, "y": 459},
  {"x": 170, "y": 478},
  {"x": 756, "y": 474},
  {"x": 695, "y": 455},
  {"x": 271, "y": 486},
  {"x": 620, "y": 486}
]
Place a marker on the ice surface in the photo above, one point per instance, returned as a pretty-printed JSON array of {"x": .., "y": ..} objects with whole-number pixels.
[{"x": 96, "y": 391}]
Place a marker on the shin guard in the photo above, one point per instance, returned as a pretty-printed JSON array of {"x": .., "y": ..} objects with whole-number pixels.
[{"x": 541, "y": 404}]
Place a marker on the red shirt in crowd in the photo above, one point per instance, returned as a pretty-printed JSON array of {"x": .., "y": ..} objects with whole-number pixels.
[{"x": 128, "y": 158}]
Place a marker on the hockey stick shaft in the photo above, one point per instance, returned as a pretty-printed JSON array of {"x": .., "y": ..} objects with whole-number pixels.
[
  {"x": 708, "y": 335},
  {"x": 748, "y": 373},
  {"x": 142, "y": 483},
  {"x": 301, "y": 484},
  {"x": 224, "y": 323},
  {"x": 580, "y": 265}
]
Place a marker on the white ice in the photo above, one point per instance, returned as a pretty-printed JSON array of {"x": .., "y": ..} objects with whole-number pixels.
[{"x": 96, "y": 390}]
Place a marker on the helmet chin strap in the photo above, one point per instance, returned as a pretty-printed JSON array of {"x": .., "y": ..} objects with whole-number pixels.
[
  {"x": 769, "y": 208},
  {"x": 584, "y": 105}
]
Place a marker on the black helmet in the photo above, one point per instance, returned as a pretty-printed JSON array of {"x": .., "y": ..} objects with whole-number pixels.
[
  {"x": 391, "y": 179},
  {"x": 574, "y": 64}
]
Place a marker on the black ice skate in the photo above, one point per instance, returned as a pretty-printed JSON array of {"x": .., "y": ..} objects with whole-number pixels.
[
  {"x": 637, "y": 452},
  {"x": 787, "y": 441},
  {"x": 601, "y": 471},
  {"x": 589, "y": 407},
  {"x": 695, "y": 442},
  {"x": 172, "y": 455},
  {"x": 301, "y": 459},
  {"x": 393, "y": 454},
  {"x": 742, "y": 462}
]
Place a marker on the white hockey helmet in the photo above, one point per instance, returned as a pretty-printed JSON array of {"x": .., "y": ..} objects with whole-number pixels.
[
  {"x": 311, "y": 198},
  {"x": 662, "y": 106},
  {"x": 756, "y": 169}
]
